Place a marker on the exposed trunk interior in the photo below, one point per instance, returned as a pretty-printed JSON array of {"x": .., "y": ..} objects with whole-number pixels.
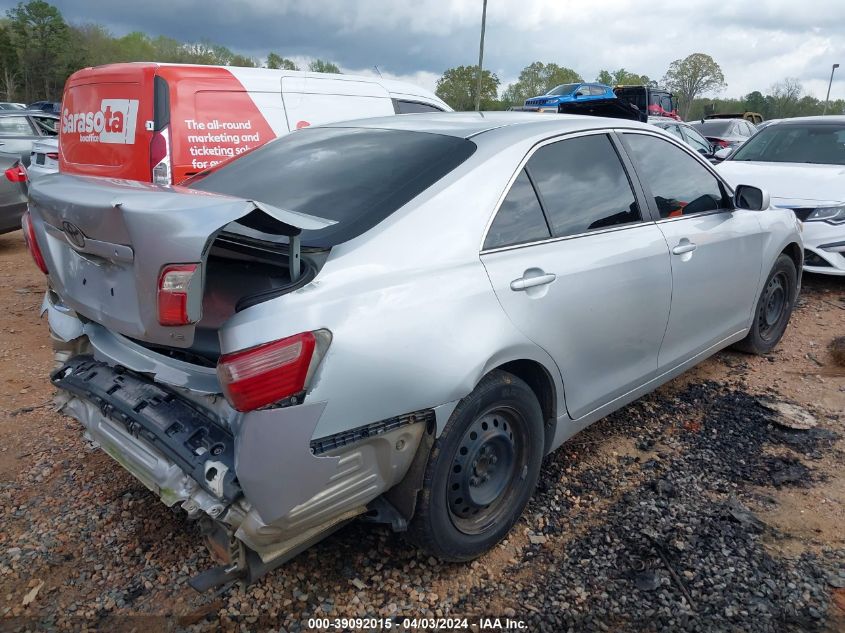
[{"x": 241, "y": 272}]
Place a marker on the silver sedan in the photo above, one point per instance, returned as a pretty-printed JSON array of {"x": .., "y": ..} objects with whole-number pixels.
[{"x": 395, "y": 318}]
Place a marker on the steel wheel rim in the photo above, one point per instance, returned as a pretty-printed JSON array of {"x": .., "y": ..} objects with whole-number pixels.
[
  {"x": 486, "y": 469},
  {"x": 773, "y": 306}
]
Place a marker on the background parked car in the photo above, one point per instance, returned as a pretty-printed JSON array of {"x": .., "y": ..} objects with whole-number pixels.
[
  {"x": 687, "y": 133},
  {"x": 567, "y": 93},
  {"x": 724, "y": 133},
  {"x": 19, "y": 128},
  {"x": 8, "y": 105},
  {"x": 657, "y": 102},
  {"x": 801, "y": 162},
  {"x": 51, "y": 107},
  {"x": 44, "y": 157},
  {"x": 449, "y": 277}
]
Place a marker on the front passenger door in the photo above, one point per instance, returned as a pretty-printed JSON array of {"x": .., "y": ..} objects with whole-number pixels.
[
  {"x": 716, "y": 250},
  {"x": 581, "y": 270}
]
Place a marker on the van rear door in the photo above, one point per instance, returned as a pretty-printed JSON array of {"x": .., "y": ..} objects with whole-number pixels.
[
  {"x": 103, "y": 122},
  {"x": 312, "y": 100}
]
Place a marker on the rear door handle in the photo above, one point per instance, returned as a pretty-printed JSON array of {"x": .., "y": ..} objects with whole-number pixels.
[
  {"x": 523, "y": 283},
  {"x": 684, "y": 247}
]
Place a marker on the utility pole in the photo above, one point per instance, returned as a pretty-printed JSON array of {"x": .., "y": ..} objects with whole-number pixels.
[
  {"x": 826, "y": 99},
  {"x": 480, "y": 58}
]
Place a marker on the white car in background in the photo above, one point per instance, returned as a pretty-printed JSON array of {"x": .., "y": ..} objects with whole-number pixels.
[
  {"x": 44, "y": 158},
  {"x": 801, "y": 163}
]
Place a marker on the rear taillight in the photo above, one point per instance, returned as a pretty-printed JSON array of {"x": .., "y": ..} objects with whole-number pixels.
[
  {"x": 32, "y": 243},
  {"x": 179, "y": 289},
  {"x": 721, "y": 142},
  {"x": 52, "y": 155},
  {"x": 273, "y": 372},
  {"x": 160, "y": 172},
  {"x": 16, "y": 173}
]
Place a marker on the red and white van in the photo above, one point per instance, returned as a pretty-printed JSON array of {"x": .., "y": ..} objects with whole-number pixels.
[{"x": 165, "y": 122}]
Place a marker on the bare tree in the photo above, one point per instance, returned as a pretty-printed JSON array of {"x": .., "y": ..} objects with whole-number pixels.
[{"x": 786, "y": 97}]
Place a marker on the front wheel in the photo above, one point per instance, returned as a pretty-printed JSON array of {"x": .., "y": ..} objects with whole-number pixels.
[
  {"x": 482, "y": 470},
  {"x": 774, "y": 307}
]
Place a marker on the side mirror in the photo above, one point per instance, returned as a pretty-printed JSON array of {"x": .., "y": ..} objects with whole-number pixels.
[
  {"x": 751, "y": 198},
  {"x": 723, "y": 153}
]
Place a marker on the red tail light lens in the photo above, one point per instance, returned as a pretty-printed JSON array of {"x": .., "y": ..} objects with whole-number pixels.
[
  {"x": 16, "y": 173},
  {"x": 722, "y": 143},
  {"x": 52, "y": 155},
  {"x": 32, "y": 243},
  {"x": 268, "y": 373},
  {"x": 174, "y": 294}
]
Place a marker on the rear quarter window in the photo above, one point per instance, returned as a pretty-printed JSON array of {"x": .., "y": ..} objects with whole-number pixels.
[{"x": 355, "y": 176}]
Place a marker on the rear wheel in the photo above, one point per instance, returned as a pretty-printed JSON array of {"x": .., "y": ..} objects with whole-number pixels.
[
  {"x": 482, "y": 470},
  {"x": 774, "y": 307}
]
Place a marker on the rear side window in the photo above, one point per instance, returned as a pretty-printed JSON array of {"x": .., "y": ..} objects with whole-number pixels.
[
  {"x": 410, "y": 107},
  {"x": 15, "y": 126},
  {"x": 355, "y": 176},
  {"x": 583, "y": 185},
  {"x": 680, "y": 185},
  {"x": 519, "y": 219}
]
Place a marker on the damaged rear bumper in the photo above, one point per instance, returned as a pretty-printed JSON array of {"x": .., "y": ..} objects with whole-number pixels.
[{"x": 257, "y": 478}]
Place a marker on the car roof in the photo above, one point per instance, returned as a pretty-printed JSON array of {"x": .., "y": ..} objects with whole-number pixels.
[
  {"x": 51, "y": 115},
  {"x": 498, "y": 124},
  {"x": 832, "y": 119}
]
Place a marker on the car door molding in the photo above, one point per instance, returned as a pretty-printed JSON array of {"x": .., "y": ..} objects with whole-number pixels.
[{"x": 646, "y": 216}]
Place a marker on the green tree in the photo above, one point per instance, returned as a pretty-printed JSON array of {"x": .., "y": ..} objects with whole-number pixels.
[
  {"x": 9, "y": 66},
  {"x": 323, "y": 66},
  {"x": 537, "y": 79},
  {"x": 242, "y": 61},
  {"x": 277, "y": 61},
  {"x": 625, "y": 78},
  {"x": 458, "y": 87},
  {"x": 41, "y": 37},
  {"x": 695, "y": 75},
  {"x": 755, "y": 102}
]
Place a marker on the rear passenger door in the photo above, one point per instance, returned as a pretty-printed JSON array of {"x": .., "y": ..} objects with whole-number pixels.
[
  {"x": 580, "y": 268},
  {"x": 715, "y": 249},
  {"x": 16, "y": 136}
]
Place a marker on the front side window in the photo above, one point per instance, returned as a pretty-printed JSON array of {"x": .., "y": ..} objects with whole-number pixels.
[
  {"x": 583, "y": 185},
  {"x": 679, "y": 183},
  {"x": 519, "y": 219},
  {"x": 698, "y": 142},
  {"x": 15, "y": 126}
]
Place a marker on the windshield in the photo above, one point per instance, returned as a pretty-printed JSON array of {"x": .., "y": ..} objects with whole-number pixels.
[
  {"x": 563, "y": 89},
  {"x": 713, "y": 127},
  {"x": 354, "y": 176},
  {"x": 818, "y": 143}
]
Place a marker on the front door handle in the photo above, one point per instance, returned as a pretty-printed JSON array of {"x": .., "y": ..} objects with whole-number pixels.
[
  {"x": 684, "y": 247},
  {"x": 523, "y": 283}
]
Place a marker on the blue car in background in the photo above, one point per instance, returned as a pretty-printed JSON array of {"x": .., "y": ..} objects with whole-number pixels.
[{"x": 569, "y": 93}]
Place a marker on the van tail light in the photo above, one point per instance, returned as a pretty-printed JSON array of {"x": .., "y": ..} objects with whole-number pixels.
[
  {"x": 32, "y": 243},
  {"x": 179, "y": 290},
  {"x": 262, "y": 375},
  {"x": 17, "y": 173},
  {"x": 160, "y": 169}
]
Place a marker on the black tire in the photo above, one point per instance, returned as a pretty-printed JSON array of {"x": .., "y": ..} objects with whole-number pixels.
[
  {"x": 773, "y": 309},
  {"x": 489, "y": 452}
]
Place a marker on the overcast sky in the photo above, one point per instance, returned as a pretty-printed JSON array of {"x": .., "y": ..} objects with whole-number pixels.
[{"x": 757, "y": 42}]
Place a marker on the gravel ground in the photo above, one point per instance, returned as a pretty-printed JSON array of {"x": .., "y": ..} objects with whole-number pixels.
[{"x": 690, "y": 510}]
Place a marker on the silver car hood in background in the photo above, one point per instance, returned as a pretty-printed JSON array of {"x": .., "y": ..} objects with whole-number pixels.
[{"x": 106, "y": 241}]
